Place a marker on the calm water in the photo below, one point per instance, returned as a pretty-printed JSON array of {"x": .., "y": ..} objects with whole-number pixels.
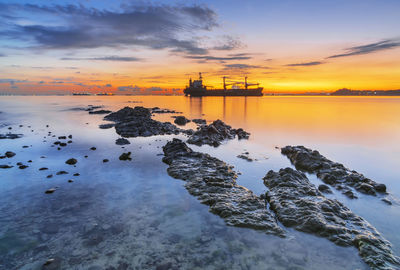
[{"x": 132, "y": 215}]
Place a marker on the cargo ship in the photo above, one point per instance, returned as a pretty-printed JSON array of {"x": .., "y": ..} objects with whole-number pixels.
[{"x": 197, "y": 89}]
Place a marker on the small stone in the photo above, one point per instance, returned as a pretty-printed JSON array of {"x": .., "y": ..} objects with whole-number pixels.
[
  {"x": 43, "y": 169},
  {"x": 3, "y": 166},
  {"x": 71, "y": 161},
  {"x": 70, "y": 136},
  {"x": 93, "y": 148},
  {"x": 63, "y": 144},
  {"x": 324, "y": 189},
  {"x": 125, "y": 156},
  {"x": 387, "y": 201},
  {"x": 50, "y": 190},
  {"x": 76, "y": 174},
  {"x": 105, "y": 160},
  {"x": 9, "y": 154},
  {"x": 25, "y": 146},
  {"x": 62, "y": 137},
  {"x": 121, "y": 141},
  {"x": 61, "y": 172},
  {"x": 70, "y": 181},
  {"x": 23, "y": 167},
  {"x": 49, "y": 176}
]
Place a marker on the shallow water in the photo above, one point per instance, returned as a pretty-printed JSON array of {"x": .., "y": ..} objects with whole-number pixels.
[{"x": 132, "y": 215}]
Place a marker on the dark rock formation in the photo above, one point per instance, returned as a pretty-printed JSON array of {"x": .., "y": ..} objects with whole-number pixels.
[
  {"x": 106, "y": 126},
  {"x": 50, "y": 190},
  {"x": 199, "y": 121},
  {"x": 181, "y": 120},
  {"x": 158, "y": 110},
  {"x": 213, "y": 182},
  {"x": 9, "y": 154},
  {"x": 99, "y": 112},
  {"x": 5, "y": 166},
  {"x": 330, "y": 172},
  {"x": 137, "y": 122},
  {"x": 298, "y": 204},
  {"x": 61, "y": 172},
  {"x": 121, "y": 141},
  {"x": 245, "y": 156},
  {"x": 71, "y": 161},
  {"x": 125, "y": 156},
  {"x": 10, "y": 136},
  {"x": 216, "y": 132}
]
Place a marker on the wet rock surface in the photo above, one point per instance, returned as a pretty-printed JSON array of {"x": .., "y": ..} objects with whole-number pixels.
[
  {"x": 10, "y": 136},
  {"x": 121, "y": 141},
  {"x": 213, "y": 182},
  {"x": 298, "y": 204},
  {"x": 215, "y": 133},
  {"x": 99, "y": 112},
  {"x": 135, "y": 122},
  {"x": 199, "y": 121},
  {"x": 181, "y": 120},
  {"x": 331, "y": 173}
]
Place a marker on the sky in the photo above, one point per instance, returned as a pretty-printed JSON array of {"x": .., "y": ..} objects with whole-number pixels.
[{"x": 154, "y": 47}]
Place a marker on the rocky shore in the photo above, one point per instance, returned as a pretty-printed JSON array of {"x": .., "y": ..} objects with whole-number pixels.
[
  {"x": 298, "y": 204},
  {"x": 213, "y": 182},
  {"x": 332, "y": 173}
]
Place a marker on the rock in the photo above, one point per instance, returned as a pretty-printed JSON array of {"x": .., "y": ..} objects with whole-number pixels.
[
  {"x": 158, "y": 110},
  {"x": 137, "y": 122},
  {"x": 106, "y": 126},
  {"x": 99, "y": 112},
  {"x": 10, "y": 136},
  {"x": 199, "y": 121},
  {"x": 214, "y": 133},
  {"x": 61, "y": 172},
  {"x": 125, "y": 156},
  {"x": 76, "y": 174},
  {"x": 105, "y": 160},
  {"x": 181, "y": 120},
  {"x": 213, "y": 182},
  {"x": 93, "y": 148},
  {"x": 9, "y": 154},
  {"x": 298, "y": 204},
  {"x": 49, "y": 176},
  {"x": 23, "y": 167},
  {"x": 387, "y": 201},
  {"x": 70, "y": 181},
  {"x": 25, "y": 146},
  {"x": 50, "y": 190},
  {"x": 122, "y": 141},
  {"x": 62, "y": 137},
  {"x": 71, "y": 161},
  {"x": 330, "y": 172},
  {"x": 52, "y": 264},
  {"x": 245, "y": 156},
  {"x": 63, "y": 144},
  {"x": 43, "y": 169},
  {"x": 324, "y": 189},
  {"x": 4, "y": 166}
]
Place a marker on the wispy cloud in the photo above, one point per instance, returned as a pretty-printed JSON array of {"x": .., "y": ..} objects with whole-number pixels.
[
  {"x": 369, "y": 48},
  {"x": 154, "y": 26},
  {"x": 218, "y": 58},
  {"x": 106, "y": 58},
  {"x": 306, "y": 64},
  {"x": 244, "y": 66}
]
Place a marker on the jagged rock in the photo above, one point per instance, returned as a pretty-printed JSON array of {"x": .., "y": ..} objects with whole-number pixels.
[
  {"x": 121, "y": 141},
  {"x": 199, "y": 121},
  {"x": 125, "y": 156},
  {"x": 330, "y": 172},
  {"x": 213, "y": 182},
  {"x": 181, "y": 120},
  {"x": 9, "y": 154},
  {"x": 298, "y": 204},
  {"x": 216, "y": 132},
  {"x": 99, "y": 112},
  {"x": 10, "y": 136},
  {"x": 137, "y": 122},
  {"x": 71, "y": 161}
]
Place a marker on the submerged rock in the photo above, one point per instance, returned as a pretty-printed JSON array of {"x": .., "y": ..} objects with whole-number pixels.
[
  {"x": 5, "y": 166},
  {"x": 245, "y": 156},
  {"x": 181, "y": 120},
  {"x": 99, "y": 112},
  {"x": 9, "y": 154},
  {"x": 106, "y": 126},
  {"x": 10, "y": 136},
  {"x": 298, "y": 204},
  {"x": 199, "y": 121},
  {"x": 330, "y": 172},
  {"x": 137, "y": 122},
  {"x": 121, "y": 141},
  {"x": 216, "y": 132},
  {"x": 213, "y": 182}
]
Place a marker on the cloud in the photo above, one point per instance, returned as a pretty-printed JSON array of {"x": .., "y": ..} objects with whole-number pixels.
[
  {"x": 2, "y": 55},
  {"x": 12, "y": 81},
  {"x": 306, "y": 64},
  {"x": 130, "y": 88},
  {"x": 227, "y": 43},
  {"x": 218, "y": 58},
  {"x": 369, "y": 48},
  {"x": 244, "y": 66},
  {"x": 108, "y": 85},
  {"x": 106, "y": 58},
  {"x": 152, "y": 26}
]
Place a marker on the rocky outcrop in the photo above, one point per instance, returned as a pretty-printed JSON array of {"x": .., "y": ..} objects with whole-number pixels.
[
  {"x": 199, "y": 121},
  {"x": 213, "y": 182},
  {"x": 298, "y": 204},
  {"x": 10, "y": 136},
  {"x": 137, "y": 122},
  {"x": 181, "y": 120},
  {"x": 331, "y": 173},
  {"x": 99, "y": 112},
  {"x": 216, "y": 132}
]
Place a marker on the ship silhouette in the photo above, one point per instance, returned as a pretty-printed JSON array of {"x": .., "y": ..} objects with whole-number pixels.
[{"x": 197, "y": 89}]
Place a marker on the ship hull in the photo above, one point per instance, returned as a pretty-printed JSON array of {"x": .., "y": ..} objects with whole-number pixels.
[{"x": 224, "y": 93}]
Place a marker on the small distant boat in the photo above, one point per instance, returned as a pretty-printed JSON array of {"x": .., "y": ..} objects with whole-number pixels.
[{"x": 197, "y": 89}]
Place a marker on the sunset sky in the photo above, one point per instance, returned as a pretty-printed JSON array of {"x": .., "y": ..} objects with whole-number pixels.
[{"x": 142, "y": 47}]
